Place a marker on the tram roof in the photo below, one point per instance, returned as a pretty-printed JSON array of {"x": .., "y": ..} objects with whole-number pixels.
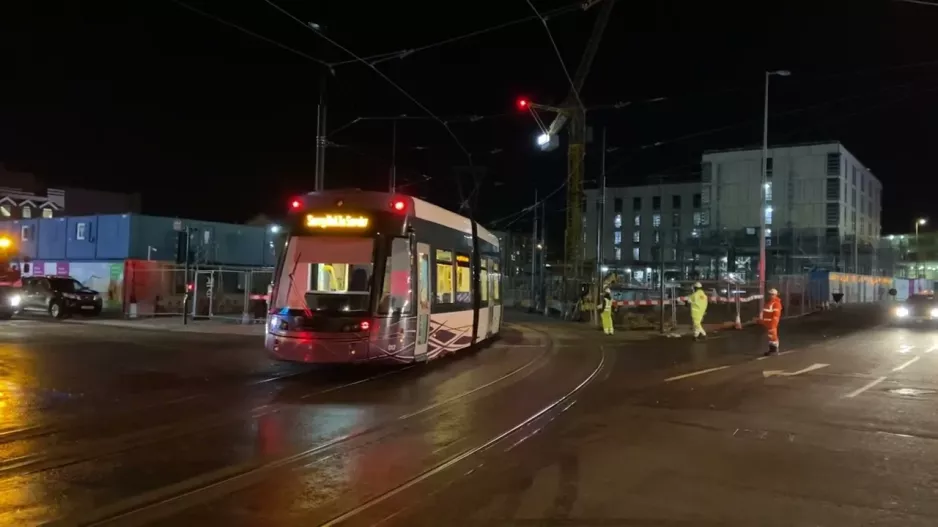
[{"x": 420, "y": 209}]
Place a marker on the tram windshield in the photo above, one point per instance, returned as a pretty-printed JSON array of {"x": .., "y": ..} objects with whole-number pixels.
[{"x": 327, "y": 274}]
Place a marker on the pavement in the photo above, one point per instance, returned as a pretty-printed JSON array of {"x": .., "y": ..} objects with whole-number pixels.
[
  {"x": 175, "y": 323},
  {"x": 554, "y": 424}
]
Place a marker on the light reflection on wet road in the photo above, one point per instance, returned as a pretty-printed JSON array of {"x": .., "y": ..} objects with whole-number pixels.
[
  {"x": 84, "y": 443},
  {"x": 121, "y": 427}
]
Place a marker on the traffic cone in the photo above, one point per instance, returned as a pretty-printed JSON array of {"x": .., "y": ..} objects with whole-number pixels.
[{"x": 738, "y": 324}]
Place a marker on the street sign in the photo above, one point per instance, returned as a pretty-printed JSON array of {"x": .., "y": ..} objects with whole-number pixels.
[{"x": 177, "y": 225}]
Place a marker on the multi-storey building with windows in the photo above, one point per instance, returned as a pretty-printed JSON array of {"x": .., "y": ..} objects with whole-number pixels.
[
  {"x": 642, "y": 221},
  {"x": 823, "y": 207}
]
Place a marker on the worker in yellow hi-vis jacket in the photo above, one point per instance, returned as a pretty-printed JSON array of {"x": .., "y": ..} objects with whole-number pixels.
[
  {"x": 606, "y": 312},
  {"x": 698, "y": 308}
]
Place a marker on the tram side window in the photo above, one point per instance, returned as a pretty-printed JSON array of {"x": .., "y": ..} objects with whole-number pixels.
[
  {"x": 484, "y": 280},
  {"x": 397, "y": 290},
  {"x": 497, "y": 283},
  {"x": 463, "y": 279},
  {"x": 444, "y": 277}
]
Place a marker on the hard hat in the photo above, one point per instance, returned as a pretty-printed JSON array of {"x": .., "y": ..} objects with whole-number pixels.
[
  {"x": 697, "y": 285},
  {"x": 608, "y": 290},
  {"x": 773, "y": 291}
]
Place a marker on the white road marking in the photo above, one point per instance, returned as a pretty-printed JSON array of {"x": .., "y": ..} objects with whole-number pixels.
[
  {"x": 905, "y": 349},
  {"x": 904, "y": 364},
  {"x": 865, "y": 387},
  {"x": 782, "y": 373},
  {"x": 777, "y": 354},
  {"x": 931, "y": 349},
  {"x": 701, "y": 372}
]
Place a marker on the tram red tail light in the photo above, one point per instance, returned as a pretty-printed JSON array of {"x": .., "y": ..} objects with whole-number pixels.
[
  {"x": 398, "y": 205},
  {"x": 295, "y": 204},
  {"x": 365, "y": 325}
]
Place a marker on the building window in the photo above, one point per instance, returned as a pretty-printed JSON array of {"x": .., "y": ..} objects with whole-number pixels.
[
  {"x": 695, "y": 233},
  {"x": 673, "y": 254},
  {"x": 676, "y": 237},
  {"x": 705, "y": 197},
  {"x": 617, "y": 221},
  {"x": 656, "y": 220},
  {"x": 833, "y": 214},
  {"x": 636, "y": 237},
  {"x": 769, "y": 165},
  {"x": 768, "y": 215},
  {"x": 696, "y": 219},
  {"x": 705, "y": 218},
  {"x": 833, "y": 164},
  {"x": 676, "y": 219},
  {"x": 26, "y": 233},
  {"x": 618, "y": 253},
  {"x": 5, "y": 211},
  {"x": 656, "y": 203},
  {"x": 80, "y": 229},
  {"x": 617, "y": 237},
  {"x": 657, "y": 237},
  {"x": 833, "y": 189},
  {"x": 768, "y": 237},
  {"x": 27, "y": 211},
  {"x": 768, "y": 191},
  {"x": 696, "y": 201},
  {"x": 46, "y": 213},
  {"x": 638, "y": 220},
  {"x": 675, "y": 202},
  {"x": 706, "y": 169},
  {"x": 636, "y": 204},
  {"x": 617, "y": 204},
  {"x": 635, "y": 253},
  {"x": 854, "y": 176}
]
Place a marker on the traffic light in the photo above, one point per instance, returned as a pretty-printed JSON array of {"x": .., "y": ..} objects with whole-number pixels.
[{"x": 523, "y": 104}]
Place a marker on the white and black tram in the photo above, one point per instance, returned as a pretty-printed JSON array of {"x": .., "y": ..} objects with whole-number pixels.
[{"x": 377, "y": 277}]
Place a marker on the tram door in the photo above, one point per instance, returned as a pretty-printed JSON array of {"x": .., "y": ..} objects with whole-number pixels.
[
  {"x": 490, "y": 284},
  {"x": 423, "y": 301}
]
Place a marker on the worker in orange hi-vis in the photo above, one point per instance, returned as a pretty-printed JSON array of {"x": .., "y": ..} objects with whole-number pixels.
[{"x": 771, "y": 314}]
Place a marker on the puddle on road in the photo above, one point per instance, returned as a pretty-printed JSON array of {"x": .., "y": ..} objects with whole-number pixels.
[{"x": 913, "y": 392}]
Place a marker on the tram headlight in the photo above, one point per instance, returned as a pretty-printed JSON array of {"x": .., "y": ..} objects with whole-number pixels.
[
  {"x": 15, "y": 300},
  {"x": 934, "y": 312},
  {"x": 902, "y": 311},
  {"x": 279, "y": 323}
]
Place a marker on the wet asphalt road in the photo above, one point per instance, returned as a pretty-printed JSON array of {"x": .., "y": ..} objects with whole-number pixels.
[{"x": 554, "y": 423}]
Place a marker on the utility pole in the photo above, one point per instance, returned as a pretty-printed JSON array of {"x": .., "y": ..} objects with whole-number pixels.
[
  {"x": 542, "y": 265},
  {"x": 534, "y": 244},
  {"x": 320, "y": 176},
  {"x": 661, "y": 279},
  {"x": 393, "y": 185},
  {"x": 763, "y": 186},
  {"x": 600, "y": 221}
]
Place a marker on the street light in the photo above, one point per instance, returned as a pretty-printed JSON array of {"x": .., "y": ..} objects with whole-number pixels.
[
  {"x": 764, "y": 186},
  {"x": 543, "y": 139}
]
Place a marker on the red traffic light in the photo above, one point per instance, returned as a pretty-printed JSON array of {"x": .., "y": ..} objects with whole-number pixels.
[
  {"x": 295, "y": 204},
  {"x": 189, "y": 287},
  {"x": 523, "y": 104}
]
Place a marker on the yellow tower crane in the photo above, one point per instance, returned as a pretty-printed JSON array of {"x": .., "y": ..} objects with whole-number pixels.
[{"x": 572, "y": 110}]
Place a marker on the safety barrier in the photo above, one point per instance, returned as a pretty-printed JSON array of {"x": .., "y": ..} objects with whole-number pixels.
[{"x": 683, "y": 300}]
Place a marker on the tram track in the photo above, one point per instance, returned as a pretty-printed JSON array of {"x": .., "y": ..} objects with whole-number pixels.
[{"x": 228, "y": 479}]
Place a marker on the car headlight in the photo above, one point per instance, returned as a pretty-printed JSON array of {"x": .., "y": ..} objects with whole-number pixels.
[
  {"x": 15, "y": 300},
  {"x": 902, "y": 312},
  {"x": 279, "y": 323},
  {"x": 934, "y": 312},
  {"x": 97, "y": 298}
]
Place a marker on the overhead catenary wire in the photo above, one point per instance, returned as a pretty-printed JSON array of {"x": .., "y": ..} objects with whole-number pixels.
[
  {"x": 553, "y": 43},
  {"x": 246, "y": 31},
  {"x": 403, "y": 53},
  {"x": 396, "y": 86}
]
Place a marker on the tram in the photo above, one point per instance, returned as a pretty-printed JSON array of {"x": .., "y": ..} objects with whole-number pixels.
[{"x": 378, "y": 277}]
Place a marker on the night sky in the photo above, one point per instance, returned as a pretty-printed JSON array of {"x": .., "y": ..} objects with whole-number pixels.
[{"x": 212, "y": 123}]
